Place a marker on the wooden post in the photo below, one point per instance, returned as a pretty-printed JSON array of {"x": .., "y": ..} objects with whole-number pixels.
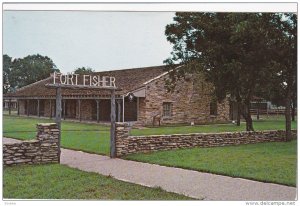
[
  {"x": 50, "y": 109},
  {"x": 18, "y": 107},
  {"x": 58, "y": 117},
  {"x": 27, "y": 107},
  {"x": 123, "y": 109},
  {"x": 38, "y": 108},
  {"x": 113, "y": 125},
  {"x": 79, "y": 109},
  {"x": 64, "y": 110},
  {"x": 9, "y": 106},
  {"x": 119, "y": 110},
  {"x": 98, "y": 115}
]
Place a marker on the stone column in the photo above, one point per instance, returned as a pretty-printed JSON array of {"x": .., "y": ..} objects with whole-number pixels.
[
  {"x": 122, "y": 135},
  {"x": 48, "y": 135}
]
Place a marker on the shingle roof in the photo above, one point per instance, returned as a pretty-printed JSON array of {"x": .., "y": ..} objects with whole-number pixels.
[{"x": 126, "y": 80}]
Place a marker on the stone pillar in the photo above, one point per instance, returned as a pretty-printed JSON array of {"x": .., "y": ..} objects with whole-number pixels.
[
  {"x": 48, "y": 135},
  {"x": 121, "y": 133}
]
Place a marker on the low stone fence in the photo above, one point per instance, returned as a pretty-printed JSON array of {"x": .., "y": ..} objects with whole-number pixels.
[
  {"x": 44, "y": 149},
  {"x": 126, "y": 144}
]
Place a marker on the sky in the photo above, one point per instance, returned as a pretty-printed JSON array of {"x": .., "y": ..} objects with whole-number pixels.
[{"x": 100, "y": 40}]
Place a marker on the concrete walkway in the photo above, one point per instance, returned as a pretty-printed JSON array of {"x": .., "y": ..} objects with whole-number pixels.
[
  {"x": 199, "y": 185},
  {"x": 190, "y": 183}
]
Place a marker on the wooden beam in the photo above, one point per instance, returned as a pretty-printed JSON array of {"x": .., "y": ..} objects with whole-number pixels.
[
  {"x": 64, "y": 110},
  {"x": 38, "y": 108},
  {"x": 18, "y": 105},
  {"x": 50, "y": 109},
  {"x": 9, "y": 106},
  {"x": 81, "y": 87},
  {"x": 119, "y": 110},
  {"x": 27, "y": 107},
  {"x": 98, "y": 108},
  {"x": 113, "y": 125},
  {"x": 79, "y": 109},
  {"x": 58, "y": 117},
  {"x": 123, "y": 109}
]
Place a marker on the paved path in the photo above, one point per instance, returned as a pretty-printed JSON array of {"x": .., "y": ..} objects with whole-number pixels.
[{"x": 190, "y": 183}]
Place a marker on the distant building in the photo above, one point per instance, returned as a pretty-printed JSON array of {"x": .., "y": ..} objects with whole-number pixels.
[{"x": 143, "y": 100}]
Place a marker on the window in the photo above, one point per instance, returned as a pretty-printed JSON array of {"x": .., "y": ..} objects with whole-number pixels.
[
  {"x": 167, "y": 109},
  {"x": 213, "y": 107}
]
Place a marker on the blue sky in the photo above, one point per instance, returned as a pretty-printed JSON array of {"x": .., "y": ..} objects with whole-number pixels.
[{"x": 100, "y": 40}]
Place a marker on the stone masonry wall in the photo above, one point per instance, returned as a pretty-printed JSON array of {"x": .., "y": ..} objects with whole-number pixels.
[
  {"x": 126, "y": 144},
  {"x": 44, "y": 149},
  {"x": 190, "y": 102}
]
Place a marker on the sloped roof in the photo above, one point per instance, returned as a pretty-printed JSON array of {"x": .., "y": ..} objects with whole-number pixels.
[{"x": 126, "y": 80}]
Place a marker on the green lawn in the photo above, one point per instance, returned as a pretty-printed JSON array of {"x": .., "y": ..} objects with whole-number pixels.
[
  {"x": 272, "y": 123},
  {"x": 95, "y": 138},
  {"x": 60, "y": 182},
  {"x": 80, "y": 136},
  {"x": 268, "y": 162}
]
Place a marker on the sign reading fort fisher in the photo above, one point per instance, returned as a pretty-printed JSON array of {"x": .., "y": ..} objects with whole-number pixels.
[{"x": 85, "y": 80}]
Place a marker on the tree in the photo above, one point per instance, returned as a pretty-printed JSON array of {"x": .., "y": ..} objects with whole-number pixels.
[
  {"x": 83, "y": 70},
  {"x": 231, "y": 49},
  {"x": 284, "y": 64},
  {"x": 30, "y": 69},
  {"x": 6, "y": 72}
]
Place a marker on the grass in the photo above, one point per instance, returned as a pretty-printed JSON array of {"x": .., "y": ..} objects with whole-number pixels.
[
  {"x": 60, "y": 182},
  {"x": 94, "y": 138},
  {"x": 80, "y": 136},
  {"x": 271, "y": 123},
  {"x": 267, "y": 162}
]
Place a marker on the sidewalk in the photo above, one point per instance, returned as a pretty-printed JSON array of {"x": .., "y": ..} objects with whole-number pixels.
[{"x": 190, "y": 183}]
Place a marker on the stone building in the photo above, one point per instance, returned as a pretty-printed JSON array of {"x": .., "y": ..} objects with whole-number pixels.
[{"x": 142, "y": 100}]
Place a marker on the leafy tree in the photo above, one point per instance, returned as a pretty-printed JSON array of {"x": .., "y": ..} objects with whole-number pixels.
[
  {"x": 30, "y": 69},
  {"x": 83, "y": 70},
  {"x": 7, "y": 61},
  {"x": 233, "y": 50},
  {"x": 284, "y": 63}
]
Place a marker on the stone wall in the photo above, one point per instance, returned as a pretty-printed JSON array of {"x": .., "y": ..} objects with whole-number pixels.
[
  {"x": 44, "y": 149},
  {"x": 190, "y": 102},
  {"x": 126, "y": 144}
]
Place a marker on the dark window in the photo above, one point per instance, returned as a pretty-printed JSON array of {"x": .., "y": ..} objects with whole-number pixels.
[
  {"x": 213, "y": 107},
  {"x": 167, "y": 109}
]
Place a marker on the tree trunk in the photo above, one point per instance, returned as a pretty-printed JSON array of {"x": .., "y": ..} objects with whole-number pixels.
[
  {"x": 247, "y": 116},
  {"x": 238, "y": 117},
  {"x": 293, "y": 108},
  {"x": 288, "y": 136}
]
